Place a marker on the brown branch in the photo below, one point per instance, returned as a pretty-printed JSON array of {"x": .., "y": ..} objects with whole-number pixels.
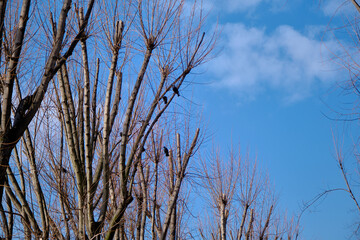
[{"x": 356, "y": 5}]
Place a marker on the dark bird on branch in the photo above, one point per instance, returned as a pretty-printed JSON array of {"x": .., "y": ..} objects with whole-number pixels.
[
  {"x": 166, "y": 151},
  {"x": 164, "y": 98},
  {"x": 176, "y": 90},
  {"x": 23, "y": 106},
  {"x": 62, "y": 169},
  {"x": 143, "y": 122}
]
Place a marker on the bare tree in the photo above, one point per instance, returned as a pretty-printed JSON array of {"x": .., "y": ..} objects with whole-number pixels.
[
  {"x": 16, "y": 33},
  {"x": 105, "y": 153},
  {"x": 350, "y": 63},
  {"x": 347, "y": 56},
  {"x": 242, "y": 200},
  {"x": 77, "y": 166},
  {"x": 20, "y": 40}
]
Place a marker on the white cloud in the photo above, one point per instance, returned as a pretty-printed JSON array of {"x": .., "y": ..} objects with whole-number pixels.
[
  {"x": 253, "y": 60},
  {"x": 244, "y": 5},
  {"x": 333, "y": 7},
  {"x": 328, "y": 7}
]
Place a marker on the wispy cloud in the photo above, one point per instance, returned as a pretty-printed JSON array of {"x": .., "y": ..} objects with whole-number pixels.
[
  {"x": 333, "y": 7},
  {"x": 243, "y": 5},
  {"x": 254, "y": 60},
  {"x": 234, "y": 5},
  {"x": 328, "y": 7}
]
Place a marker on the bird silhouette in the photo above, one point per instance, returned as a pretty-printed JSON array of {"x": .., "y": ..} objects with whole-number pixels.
[
  {"x": 164, "y": 98},
  {"x": 143, "y": 122},
  {"x": 176, "y": 90},
  {"x": 166, "y": 151},
  {"x": 62, "y": 169}
]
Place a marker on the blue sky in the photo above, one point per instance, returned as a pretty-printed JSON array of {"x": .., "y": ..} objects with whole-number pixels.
[{"x": 273, "y": 88}]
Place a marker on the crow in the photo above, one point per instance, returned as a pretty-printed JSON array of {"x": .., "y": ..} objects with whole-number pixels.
[
  {"x": 176, "y": 90},
  {"x": 62, "y": 169},
  {"x": 164, "y": 98},
  {"x": 122, "y": 134},
  {"x": 143, "y": 121},
  {"x": 166, "y": 151}
]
